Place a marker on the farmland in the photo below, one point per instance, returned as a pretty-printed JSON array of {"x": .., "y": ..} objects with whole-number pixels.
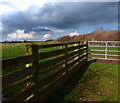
[
  {"x": 99, "y": 83},
  {"x": 66, "y": 63},
  {"x": 10, "y": 50},
  {"x": 18, "y": 49},
  {"x": 95, "y": 85}
]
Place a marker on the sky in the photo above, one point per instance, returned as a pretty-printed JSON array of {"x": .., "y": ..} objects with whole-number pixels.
[{"x": 50, "y": 19}]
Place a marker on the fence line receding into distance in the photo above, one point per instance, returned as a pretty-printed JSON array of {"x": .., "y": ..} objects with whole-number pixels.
[{"x": 37, "y": 75}]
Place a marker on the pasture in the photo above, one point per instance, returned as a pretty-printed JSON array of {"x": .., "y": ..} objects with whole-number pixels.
[
  {"x": 99, "y": 83},
  {"x": 10, "y": 50},
  {"x": 101, "y": 78},
  {"x": 42, "y": 70}
]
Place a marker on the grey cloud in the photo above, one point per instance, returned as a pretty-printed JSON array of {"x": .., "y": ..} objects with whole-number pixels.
[
  {"x": 61, "y": 15},
  {"x": 41, "y": 30}
]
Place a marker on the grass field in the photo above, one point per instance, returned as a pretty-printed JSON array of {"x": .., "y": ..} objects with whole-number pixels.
[
  {"x": 99, "y": 83},
  {"x": 18, "y": 49},
  {"x": 10, "y": 50}
]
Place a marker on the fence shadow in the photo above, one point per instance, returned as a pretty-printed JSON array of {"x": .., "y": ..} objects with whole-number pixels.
[{"x": 68, "y": 86}]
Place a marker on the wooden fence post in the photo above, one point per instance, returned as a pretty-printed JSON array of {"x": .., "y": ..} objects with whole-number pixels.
[
  {"x": 79, "y": 50},
  {"x": 87, "y": 49},
  {"x": 66, "y": 60},
  {"x": 31, "y": 49},
  {"x": 63, "y": 47},
  {"x": 86, "y": 42},
  {"x": 106, "y": 50},
  {"x": 28, "y": 51}
]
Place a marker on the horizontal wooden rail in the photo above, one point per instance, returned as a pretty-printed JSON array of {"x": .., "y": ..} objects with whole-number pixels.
[
  {"x": 16, "y": 76},
  {"x": 57, "y": 64},
  {"x": 58, "y": 60},
  {"x": 104, "y": 41},
  {"x": 54, "y": 45},
  {"x": 56, "y": 84},
  {"x": 104, "y": 54},
  {"x": 102, "y": 46},
  {"x": 21, "y": 74},
  {"x": 107, "y": 58},
  {"x": 18, "y": 61},
  {"x": 6, "y": 91},
  {"x": 23, "y": 94},
  {"x": 107, "y": 45},
  {"x": 105, "y": 50},
  {"x": 58, "y": 52}
]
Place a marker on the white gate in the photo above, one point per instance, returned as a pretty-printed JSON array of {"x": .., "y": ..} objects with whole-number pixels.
[{"x": 102, "y": 49}]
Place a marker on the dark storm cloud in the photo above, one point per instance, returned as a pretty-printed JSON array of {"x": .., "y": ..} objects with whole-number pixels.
[{"x": 62, "y": 16}]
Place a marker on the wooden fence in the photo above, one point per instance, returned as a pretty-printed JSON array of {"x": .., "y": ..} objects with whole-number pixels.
[
  {"x": 108, "y": 49},
  {"x": 43, "y": 73}
]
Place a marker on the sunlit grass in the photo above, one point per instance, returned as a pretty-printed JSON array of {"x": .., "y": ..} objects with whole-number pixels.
[
  {"x": 10, "y": 50},
  {"x": 99, "y": 83}
]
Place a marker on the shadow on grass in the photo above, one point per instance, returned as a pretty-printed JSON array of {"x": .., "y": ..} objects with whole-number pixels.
[{"x": 69, "y": 85}]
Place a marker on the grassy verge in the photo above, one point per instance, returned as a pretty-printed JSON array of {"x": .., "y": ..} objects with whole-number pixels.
[{"x": 99, "y": 83}]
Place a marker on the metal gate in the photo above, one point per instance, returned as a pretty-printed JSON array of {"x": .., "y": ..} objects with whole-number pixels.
[{"x": 108, "y": 50}]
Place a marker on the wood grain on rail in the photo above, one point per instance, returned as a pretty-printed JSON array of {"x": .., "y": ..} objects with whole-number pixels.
[
  {"x": 33, "y": 89},
  {"x": 18, "y": 61},
  {"x": 61, "y": 63}
]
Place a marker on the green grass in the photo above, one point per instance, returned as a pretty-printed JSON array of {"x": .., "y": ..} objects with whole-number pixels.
[
  {"x": 18, "y": 49},
  {"x": 10, "y": 50},
  {"x": 13, "y": 50},
  {"x": 99, "y": 83}
]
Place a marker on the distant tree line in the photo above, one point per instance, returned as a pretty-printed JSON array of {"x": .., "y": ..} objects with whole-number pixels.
[
  {"x": 15, "y": 41},
  {"x": 25, "y": 41}
]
